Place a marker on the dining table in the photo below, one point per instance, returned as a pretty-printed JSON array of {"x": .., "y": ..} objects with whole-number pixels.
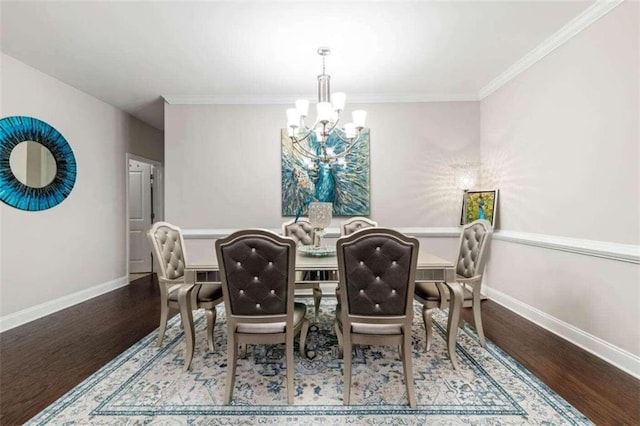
[{"x": 430, "y": 268}]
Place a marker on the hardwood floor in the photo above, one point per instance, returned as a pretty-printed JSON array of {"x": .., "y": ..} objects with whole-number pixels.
[{"x": 42, "y": 360}]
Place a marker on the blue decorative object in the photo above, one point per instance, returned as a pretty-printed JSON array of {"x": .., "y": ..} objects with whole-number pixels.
[
  {"x": 345, "y": 183},
  {"x": 17, "y": 129}
]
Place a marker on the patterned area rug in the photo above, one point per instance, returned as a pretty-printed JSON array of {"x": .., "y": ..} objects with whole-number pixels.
[{"x": 146, "y": 384}]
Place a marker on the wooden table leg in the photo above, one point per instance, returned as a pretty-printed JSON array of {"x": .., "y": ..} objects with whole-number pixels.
[
  {"x": 455, "y": 312},
  {"x": 186, "y": 315}
]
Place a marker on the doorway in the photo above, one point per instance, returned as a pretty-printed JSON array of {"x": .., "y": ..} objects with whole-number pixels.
[{"x": 145, "y": 205}]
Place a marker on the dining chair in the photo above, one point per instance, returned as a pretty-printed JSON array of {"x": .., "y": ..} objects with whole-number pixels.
[
  {"x": 376, "y": 268},
  {"x": 169, "y": 248},
  {"x": 302, "y": 232},
  {"x": 472, "y": 253},
  {"x": 356, "y": 223},
  {"x": 257, "y": 270}
]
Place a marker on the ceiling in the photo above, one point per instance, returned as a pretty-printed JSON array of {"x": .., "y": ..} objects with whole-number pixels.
[{"x": 130, "y": 54}]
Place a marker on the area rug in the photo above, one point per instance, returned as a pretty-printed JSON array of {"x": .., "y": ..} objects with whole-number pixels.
[{"x": 146, "y": 384}]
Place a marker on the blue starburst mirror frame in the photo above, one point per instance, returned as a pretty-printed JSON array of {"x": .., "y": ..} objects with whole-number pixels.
[{"x": 23, "y": 195}]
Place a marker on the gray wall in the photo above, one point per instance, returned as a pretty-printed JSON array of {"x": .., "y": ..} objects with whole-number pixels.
[
  {"x": 223, "y": 163},
  {"x": 561, "y": 142},
  {"x": 65, "y": 254}
]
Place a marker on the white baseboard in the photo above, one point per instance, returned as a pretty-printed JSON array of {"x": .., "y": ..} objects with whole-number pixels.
[
  {"x": 620, "y": 358},
  {"x": 24, "y": 316}
]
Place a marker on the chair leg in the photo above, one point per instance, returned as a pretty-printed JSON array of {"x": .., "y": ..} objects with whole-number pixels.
[
  {"x": 317, "y": 298},
  {"x": 290, "y": 366},
  {"x": 303, "y": 338},
  {"x": 164, "y": 317},
  {"x": 211, "y": 322},
  {"x": 346, "y": 356},
  {"x": 244, "y": 352},
  {"x": 477, "y": 318},
  {"x": 336, "y": 327},
  {"x": 428, "y": 327},
  {"x": 232, "y": 356},
  {"x": 407, "y": 365}
]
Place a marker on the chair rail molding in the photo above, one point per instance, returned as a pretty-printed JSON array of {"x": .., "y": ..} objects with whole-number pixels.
[
  {"x": 207, "y": 234},
  {"x": 612, "y": 354},
  {"x": 607, "y": 250},
  {"x": 613, "y": 251}
]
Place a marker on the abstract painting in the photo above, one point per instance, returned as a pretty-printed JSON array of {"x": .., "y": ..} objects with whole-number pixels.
[
  {"x": 343, "y": 182},
  {"x": 480, "y": 204}
]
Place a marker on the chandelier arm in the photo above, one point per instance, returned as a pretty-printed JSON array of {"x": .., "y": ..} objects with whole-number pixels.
[
  {"x": 307, "y": 130},
  {"x": 348, "y": 139},
  {"x": 333, "y": 126},
  {"x": 303, "y": 151},
  {"x": 350, "y": 147}
]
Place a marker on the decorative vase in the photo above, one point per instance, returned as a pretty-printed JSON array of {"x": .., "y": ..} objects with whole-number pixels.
[{"x": 320, "y": 217}]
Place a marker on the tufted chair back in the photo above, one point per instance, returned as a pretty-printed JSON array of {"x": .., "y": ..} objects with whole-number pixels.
[
  {"x": 301, "y": 231},
  {"x": 169, "y": 248},
  {"x": 257, "y": 272},
  {"x": 354, "y": 224},
  {"x": 377, "y": 269},
  {"x": 378, "y": 266},
  {"x": 473, "y": 241}
]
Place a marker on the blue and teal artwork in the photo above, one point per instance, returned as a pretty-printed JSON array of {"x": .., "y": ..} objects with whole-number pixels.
[
  {"x": 18, "y": 129},
  {"x": 345, "y": 182}
]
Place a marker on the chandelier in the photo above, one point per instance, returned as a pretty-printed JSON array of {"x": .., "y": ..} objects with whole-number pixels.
[{"x": 326, "y": 123}]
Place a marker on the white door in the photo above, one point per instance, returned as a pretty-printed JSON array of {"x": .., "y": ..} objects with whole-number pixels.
[{"x": 140, "y": 216}]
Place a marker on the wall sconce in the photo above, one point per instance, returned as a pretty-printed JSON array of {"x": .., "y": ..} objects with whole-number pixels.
[{"x": 466, "y": 175}]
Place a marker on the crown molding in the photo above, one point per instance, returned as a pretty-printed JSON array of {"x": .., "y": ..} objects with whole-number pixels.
[
  {"x": 564, "y": 34},
  {"x": 285, "y": 100}
]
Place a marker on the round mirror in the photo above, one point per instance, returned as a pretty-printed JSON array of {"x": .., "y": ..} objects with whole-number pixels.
[
  {"x": 32, "y": 164},
  {"x": 37, "y": 165}
]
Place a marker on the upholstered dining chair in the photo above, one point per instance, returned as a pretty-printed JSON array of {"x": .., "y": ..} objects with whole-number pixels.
[
  {"x": 302, "y": 232},
  {"x": 169, "y": 248},
  {"x": 257, "y": 270},
  {"x": 377, "y": 268},
  {"x": 356, "y": 223},
  {"x": 472, "y": 251}
]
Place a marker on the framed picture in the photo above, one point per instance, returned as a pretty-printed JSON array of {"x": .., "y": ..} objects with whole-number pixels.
[
  {"x": 344, "y": 183},
  {"x": 479, "y": 204}
]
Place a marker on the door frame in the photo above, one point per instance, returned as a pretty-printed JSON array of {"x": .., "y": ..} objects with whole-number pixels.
[{"x": 158, "y": 187}]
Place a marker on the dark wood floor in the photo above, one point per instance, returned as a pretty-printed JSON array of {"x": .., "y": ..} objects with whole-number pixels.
[{"x": 42, "y": 360}]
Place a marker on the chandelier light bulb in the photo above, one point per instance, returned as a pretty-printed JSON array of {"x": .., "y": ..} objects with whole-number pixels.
[
  {"x": 302, "y": 105},
  {"x": 325, "y": 110},
  {"x": 339, "y": 99},
  {"x": 293, "y": 118},
  {"x": 359, "y": 117}
]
